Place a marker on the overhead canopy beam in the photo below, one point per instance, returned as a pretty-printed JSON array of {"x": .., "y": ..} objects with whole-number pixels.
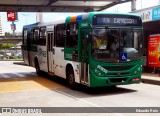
[
  {"x": 51, "y": 2},
  {"x": 40, "y": 8},
  {"x": 57, "y": 5},
  {"x": 89, "y": 0}
]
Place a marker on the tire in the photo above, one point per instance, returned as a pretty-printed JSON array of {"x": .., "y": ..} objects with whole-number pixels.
[
  {"x": 38, "y": 71},
  {"x": 71, "y": 79}
]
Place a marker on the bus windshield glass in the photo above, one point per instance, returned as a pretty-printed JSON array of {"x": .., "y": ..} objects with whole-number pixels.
[{"x": 116, "y": 45}]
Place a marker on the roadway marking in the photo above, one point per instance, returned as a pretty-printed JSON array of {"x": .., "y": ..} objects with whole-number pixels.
[
  {"x": 33, "y": 73},
  {"x": 4, "y": 76},
  {"x": 17, "y": 74},
  {"x": 95, "y": 105},
  {"x": 27, "y": 84}
]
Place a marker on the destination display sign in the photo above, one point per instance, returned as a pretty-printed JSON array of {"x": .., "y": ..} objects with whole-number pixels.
[{"x": 116, "y": 20}]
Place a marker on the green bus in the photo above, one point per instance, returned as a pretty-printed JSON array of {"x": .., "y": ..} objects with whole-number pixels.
[{"x": 93, "y": 49}]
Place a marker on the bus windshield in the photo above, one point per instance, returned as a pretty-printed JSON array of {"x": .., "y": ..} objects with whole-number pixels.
[{"x": 110, "y": 45}]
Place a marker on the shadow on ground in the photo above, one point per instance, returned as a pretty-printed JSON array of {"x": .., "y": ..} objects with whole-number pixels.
[
  {"x": 59, "y": 85},
  {"x": 83, "y": 91}
]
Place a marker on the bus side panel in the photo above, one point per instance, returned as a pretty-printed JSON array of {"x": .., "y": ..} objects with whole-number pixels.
[
  {"x": 76, "y": 68},
  {"x": 31, "y": 57},
  {"x": 59, "y": 62},
  {"x": 42, "y": 58},
  {"x": 25, "y": 57},
  {"x": 32, "y": 53}
]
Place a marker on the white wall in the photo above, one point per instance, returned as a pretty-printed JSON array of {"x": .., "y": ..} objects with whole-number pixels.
[{"x": 1, "y": 27}]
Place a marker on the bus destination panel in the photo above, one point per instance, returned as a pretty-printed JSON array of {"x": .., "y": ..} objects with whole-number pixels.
[{"x": 116, "y": 20}]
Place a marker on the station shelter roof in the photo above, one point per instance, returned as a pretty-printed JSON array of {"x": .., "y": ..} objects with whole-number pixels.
[
  {"x": 57, "y": 5},
  {"x": 150, "y": 18}
]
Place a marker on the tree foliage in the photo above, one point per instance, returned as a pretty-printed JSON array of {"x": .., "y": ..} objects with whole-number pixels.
[
  {"x": 6, "y": 46},
  {"x": 11, "y": 34},
  {"x": 8, "y": 34}
]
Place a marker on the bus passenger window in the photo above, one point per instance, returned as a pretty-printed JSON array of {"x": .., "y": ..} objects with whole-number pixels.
[
  {"x": 31, "y": 36},
  {"x": 35, "y": 36},
  {"x": 72, "y": 35},
  {"x": 60, "y": 35},
  {"x": 42, "y": 38},
  {"x": 25, "y": 37}
]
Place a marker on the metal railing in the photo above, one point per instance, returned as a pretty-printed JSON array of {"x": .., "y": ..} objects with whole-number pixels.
[{"x": 10, "y": 39}]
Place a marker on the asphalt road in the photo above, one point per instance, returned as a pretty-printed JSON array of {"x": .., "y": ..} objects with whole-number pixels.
[{"x": 21, "y": 87}]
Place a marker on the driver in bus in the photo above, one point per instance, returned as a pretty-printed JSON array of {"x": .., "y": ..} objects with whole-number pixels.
[
  {"x": 114, "y": 48},
  {"x": 115, "y": 45}
]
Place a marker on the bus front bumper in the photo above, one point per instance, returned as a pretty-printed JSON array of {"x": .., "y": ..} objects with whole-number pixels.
[{"x": 96, "y": 81}]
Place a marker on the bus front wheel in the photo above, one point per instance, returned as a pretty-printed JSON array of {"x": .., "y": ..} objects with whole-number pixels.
[{"x": 71, "y": 79}]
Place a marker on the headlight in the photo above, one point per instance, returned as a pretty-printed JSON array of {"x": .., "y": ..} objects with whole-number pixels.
[
  {"x": 139, "y": 69},
  {"x": 135, "y": 72}
]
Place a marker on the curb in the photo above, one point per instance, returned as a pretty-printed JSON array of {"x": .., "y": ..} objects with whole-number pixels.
[
  {"x": 150, "y": 81},
  {"x": 20, "y": 63}
]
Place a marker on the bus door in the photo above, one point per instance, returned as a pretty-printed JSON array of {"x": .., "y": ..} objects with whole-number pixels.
[
  {"x": 50, "y": 60},
  {"x": 28, "y": 47},
  {"x": 84, "y": 56}
]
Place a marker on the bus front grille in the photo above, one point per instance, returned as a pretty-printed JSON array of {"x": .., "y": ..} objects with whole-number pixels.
[
  {"x": 117, "y": 80},
  {"x": 118, "y": 74},
  {"x": 118, "y": 68}
]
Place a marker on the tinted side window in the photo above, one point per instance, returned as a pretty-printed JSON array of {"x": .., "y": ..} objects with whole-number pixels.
[
  {"x": 25, "y": 37},
  {"x": 42, "y": 36},
  {"x": 31, "y": 36},
  {"x": 72, "y": 35},
  {"x": 35, "y": 35},
  {"x": 60, "y": 35}
]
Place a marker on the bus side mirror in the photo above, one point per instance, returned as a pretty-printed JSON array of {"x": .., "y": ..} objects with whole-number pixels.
[{"x": 87, "y": 37}]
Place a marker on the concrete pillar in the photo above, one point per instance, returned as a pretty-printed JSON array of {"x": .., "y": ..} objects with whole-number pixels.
[
  {"x": 133, "y": 5},
  {"x": 39, "y": 17}
]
